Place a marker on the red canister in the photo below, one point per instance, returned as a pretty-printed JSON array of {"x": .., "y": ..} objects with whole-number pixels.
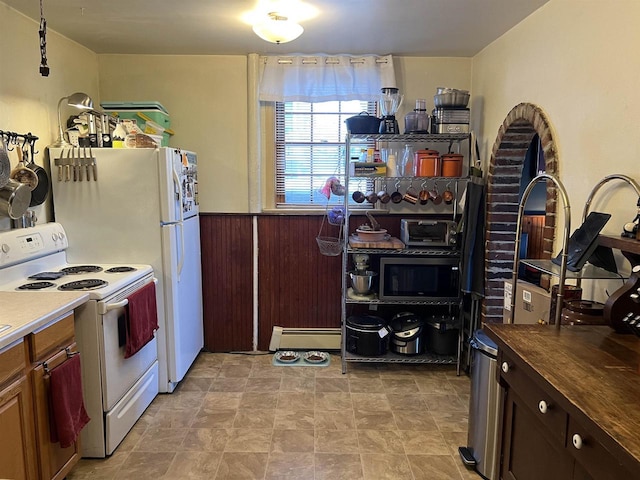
[
  {"x": 452, "y": 165},
  {"x": 427, "y": 163}
]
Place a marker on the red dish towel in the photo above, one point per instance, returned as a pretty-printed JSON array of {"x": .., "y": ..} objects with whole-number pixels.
[
  {"x": 142, "y": 319},
  {"x": 69, "y": 415}
]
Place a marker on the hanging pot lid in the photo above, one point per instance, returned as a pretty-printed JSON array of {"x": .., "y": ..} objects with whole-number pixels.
[
  {"x": 405, "y": 321},
  {"x": 366, "y": 322}
]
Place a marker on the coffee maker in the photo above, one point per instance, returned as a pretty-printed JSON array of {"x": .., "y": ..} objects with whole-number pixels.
[{"x": 390, "y": 101}]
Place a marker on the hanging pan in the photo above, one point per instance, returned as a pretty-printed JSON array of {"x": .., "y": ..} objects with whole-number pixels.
[
  {"x": 5, "y": 163},
  {"x": 23, "y": 174},
  {"x": 41, "y": 192}
]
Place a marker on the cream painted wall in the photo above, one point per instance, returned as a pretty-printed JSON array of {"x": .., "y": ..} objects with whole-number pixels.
[
  {"x": 577, "y": 60},
  {"x": 28, "y": 101},
  {"x": 418, "y": 77},
  {"x": 206, "y": 97}
]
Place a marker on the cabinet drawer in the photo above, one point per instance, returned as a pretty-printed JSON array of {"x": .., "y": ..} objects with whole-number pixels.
[
  {"x": 550, "y": 415},
  {"x": 12, "y": 362},
  {"x": 45, "y": 340},
  {"x": 593, "y": 456}
]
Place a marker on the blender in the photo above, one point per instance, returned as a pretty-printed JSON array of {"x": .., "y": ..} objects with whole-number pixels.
[{"x": 390, "y": 101}]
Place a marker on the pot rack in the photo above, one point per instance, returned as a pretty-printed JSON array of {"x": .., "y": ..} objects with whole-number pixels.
[{"x": 13, "y": 138}]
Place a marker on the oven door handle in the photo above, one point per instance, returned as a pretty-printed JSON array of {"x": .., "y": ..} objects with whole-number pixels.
[{"x": 107, "y": 307}]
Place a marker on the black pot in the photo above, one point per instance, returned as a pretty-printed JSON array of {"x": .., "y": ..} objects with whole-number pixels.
[
  {"x": 407, "y": 337},
  {"x": 363, "y": 123},
  {"x": 442, "y": 335},
  {"x": 363, "y": 337}
]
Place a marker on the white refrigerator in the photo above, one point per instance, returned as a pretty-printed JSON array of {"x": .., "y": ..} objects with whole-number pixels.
[{"x": 139, "y": 206}]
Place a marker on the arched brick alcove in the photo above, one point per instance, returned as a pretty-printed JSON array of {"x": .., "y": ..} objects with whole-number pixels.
[{"x": 503, "y": 191}]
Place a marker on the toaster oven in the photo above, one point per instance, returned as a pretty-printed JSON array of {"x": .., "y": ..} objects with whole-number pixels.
[{"x": 428, "y": 233}]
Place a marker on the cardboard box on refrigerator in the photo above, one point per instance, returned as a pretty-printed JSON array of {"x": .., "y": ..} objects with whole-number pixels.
[{"x": 532, "y": 303}]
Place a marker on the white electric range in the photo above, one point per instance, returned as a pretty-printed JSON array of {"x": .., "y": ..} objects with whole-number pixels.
[{"x": 116, "y": 390}]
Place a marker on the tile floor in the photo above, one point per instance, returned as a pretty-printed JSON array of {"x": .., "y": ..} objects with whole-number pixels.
[{"x": 236, "y": 416}]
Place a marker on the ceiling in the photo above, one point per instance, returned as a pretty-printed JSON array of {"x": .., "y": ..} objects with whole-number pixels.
[{"x": 430, "y": 28}]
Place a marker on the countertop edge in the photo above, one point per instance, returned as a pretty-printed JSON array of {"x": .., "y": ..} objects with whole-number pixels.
[
  {"x": 17, "y": 333},
  {"x": 632, "y": 453}
]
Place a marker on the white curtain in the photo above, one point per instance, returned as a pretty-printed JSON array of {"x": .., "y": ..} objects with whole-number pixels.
[{"x": 322, "y": 78}]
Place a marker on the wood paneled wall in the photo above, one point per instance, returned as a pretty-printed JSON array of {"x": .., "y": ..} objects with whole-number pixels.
[
  {"x": 298, "y": 287},
  {"x": 534, "y": 226},
  {"x": 227, "y": 281}
]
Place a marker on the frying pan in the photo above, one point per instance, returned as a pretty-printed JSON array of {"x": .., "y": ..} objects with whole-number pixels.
[
  {"x": 41, "y": 192},
  {"x": 23, "y": 174}
]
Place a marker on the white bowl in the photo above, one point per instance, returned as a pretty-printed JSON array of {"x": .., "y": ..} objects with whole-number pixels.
[{"x": 371, "y": 235}]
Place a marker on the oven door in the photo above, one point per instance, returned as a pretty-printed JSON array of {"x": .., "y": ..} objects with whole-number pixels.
[{"x": 120, "y": 374}]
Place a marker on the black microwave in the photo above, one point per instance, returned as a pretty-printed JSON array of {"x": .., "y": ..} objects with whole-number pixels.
[{"x": 419, "y": 278}]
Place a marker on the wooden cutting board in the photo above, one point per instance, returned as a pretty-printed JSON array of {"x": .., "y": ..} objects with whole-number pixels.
[{"x": 391, "y": 243}]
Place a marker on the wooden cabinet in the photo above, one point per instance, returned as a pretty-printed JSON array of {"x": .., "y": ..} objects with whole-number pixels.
[
  {"x": 17, "y": 444},
  {"x": 541, "y": 439},
  {"x": 526, "y": 441},
  {"x": 49, "y": 348}
]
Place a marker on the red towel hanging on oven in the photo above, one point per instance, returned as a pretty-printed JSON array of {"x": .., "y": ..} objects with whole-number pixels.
[
  {"x": 67, "y": 404},
  {"x": 142, "y": 319}
]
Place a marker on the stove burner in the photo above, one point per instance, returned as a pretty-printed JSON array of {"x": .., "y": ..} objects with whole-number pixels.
[
  {"x": 36, "y": 286},
  {"x": 81, "y": 269},
  {"x": 120, "y": 270},
  {"x": 46, "y": 276},
  {"x": 89, "y": 284}
]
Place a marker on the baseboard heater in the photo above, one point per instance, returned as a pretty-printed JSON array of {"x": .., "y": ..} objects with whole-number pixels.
[{"x": 304, "y": 339}]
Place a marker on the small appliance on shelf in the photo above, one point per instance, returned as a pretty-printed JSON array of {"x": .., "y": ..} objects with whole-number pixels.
[
  {"x": 451, "y": 114},
  {"x": 390, "y": 101}
]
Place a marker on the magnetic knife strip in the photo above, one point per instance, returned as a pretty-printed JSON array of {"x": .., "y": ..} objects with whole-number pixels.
[{"x": 76, "y": 163}]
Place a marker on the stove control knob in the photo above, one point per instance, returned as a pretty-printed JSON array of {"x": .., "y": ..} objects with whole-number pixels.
[
  {"x": 5, "y": 248},
  {"x": 61, "y": 235},
  {"x": 54, "y": 236}
]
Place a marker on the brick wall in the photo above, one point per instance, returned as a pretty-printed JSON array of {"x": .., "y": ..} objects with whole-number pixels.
[{"x": 503, "y": 187}]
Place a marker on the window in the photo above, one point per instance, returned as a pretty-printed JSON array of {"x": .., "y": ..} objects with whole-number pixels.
[{"x": 310, "y": 148}]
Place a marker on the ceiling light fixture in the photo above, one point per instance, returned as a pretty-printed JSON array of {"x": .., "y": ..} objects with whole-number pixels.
[{"x": 278, "y": 29}]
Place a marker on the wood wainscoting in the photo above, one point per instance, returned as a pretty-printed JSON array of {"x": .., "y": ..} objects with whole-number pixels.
[
  {"x": 297, "y": 286},
  {"x": 227, "y": 281}
]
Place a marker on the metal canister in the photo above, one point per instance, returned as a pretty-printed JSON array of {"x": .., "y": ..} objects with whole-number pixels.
[{"x": 427, "y": 163}]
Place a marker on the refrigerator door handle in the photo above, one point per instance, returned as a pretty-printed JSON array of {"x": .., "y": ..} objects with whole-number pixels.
[
  {"x": 178, "y": 187},
  {"x": 176, "y": 181},
  {"x": 181, "y": 259}
]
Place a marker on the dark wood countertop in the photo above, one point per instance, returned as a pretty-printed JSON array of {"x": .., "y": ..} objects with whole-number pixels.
[{"x": 595, "y": 369}]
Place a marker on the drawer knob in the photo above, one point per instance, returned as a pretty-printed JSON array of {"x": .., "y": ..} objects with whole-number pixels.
[
  {"x": 505, "y": 367},
  {"x": 577, "y": 441},
  {"x": 543, "y": 406}
]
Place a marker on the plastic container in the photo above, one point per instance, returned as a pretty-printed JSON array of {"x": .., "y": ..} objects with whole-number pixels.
[{"x": 118, "y": 137}]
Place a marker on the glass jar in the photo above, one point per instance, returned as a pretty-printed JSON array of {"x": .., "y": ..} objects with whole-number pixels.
[{"x": 406, "y": 166}]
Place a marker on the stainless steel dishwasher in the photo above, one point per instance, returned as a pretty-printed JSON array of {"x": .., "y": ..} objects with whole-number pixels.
[{"x": 485, "y": 409}]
